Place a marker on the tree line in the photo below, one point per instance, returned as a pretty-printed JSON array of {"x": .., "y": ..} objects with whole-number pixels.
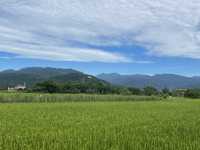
[
  {"x": 102, "y": 88},
  {"x": 96, "y": 88}
]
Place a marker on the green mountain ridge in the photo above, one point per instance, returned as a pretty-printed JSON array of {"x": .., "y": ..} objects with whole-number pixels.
[{"x": 34, "y": 75}]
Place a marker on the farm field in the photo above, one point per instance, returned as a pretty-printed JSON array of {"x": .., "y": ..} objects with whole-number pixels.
[{"x": 151, "y": 125}]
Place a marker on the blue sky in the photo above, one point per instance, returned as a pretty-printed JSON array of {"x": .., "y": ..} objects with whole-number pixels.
[{"x": 96, "y": 36}]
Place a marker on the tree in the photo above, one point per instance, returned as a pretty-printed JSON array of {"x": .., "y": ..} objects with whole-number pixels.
[
  {"x": 166, "y": 91},
  {"x": 47, "y": 86},
  {"x": 150, "y": 91},
  {"x": 135, "y": 91},
  {"x": 192, "y": 93},
  {"x": 124, "y": 91},
  {"x": 88, "y": 87}
]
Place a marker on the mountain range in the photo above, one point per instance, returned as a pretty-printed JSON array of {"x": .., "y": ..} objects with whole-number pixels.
[
  {"x": 34, "y": 75},
  {"x": 159, "y": 81}
]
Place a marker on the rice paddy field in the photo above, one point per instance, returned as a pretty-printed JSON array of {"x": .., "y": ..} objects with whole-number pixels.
[{"x": 172, "y": 124}]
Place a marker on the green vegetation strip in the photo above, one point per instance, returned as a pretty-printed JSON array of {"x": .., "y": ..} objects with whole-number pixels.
[
  {"x": 35, "y": 97},
  {"x": 158, "y": 125}
]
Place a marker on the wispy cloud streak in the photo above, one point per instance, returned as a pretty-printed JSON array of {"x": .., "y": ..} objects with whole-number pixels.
[{"x": 70, "y": 29}]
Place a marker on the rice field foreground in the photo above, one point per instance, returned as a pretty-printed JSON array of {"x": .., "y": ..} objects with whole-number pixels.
[{"x": 157, "y": 125}]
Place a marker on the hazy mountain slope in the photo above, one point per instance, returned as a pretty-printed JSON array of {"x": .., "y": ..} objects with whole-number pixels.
[{"x": 159, "y": 81}]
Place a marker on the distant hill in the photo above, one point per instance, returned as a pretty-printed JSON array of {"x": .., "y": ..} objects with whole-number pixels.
[
  {"x": 159, "y": 81},
  {"x": 33, "y": 75}
]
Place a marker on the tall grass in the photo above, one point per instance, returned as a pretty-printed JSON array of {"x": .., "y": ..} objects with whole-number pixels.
[{"x": 36, "y": 97}]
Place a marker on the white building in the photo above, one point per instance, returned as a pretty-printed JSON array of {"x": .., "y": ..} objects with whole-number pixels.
[{"x": 18, "y": 87}]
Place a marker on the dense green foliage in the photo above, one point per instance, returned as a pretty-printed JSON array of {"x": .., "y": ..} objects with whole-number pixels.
[
  {"x": 150, "y": 91},
  {"x": 135, "y": 91},
  {"x": 166, "y": 91},
  {"x": 192, "y": 93},
  {"x": 74, "y": 87},
  {"x": 166, "y": 125},
  {"x": 91, "y": 87}
]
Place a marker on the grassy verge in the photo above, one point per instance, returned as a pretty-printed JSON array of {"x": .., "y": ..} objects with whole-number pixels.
[{"x": 36, "y": 97}]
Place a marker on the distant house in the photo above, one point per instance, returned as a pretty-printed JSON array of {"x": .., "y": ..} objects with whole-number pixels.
[
  {"x": 180, "y": 92},
  {"x": 89, "y": 77},
  {"x": 17, "y": 88}
]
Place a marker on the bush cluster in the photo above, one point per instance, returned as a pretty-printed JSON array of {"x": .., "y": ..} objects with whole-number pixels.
[{"x": 96, "y": 88}]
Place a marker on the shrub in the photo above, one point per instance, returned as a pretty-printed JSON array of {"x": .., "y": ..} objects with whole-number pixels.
[
  {"x": 192, "y": 93},
  {"x": 150, "y": 91}
]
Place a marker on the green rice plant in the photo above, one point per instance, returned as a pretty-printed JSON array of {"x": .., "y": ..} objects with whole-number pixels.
[{"x": 152, "y": 125}]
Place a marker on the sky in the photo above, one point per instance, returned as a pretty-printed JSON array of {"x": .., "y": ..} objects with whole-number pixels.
[{"x": 102, "y": 36}]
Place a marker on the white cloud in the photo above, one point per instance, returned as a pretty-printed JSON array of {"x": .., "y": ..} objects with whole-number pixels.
[
  {"x": 63, "y": 29},
  {"x": 64, "y": 53}
]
